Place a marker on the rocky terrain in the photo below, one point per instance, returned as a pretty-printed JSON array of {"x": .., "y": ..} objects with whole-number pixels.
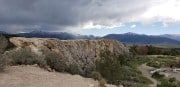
[{"x": 82, "y": 53}]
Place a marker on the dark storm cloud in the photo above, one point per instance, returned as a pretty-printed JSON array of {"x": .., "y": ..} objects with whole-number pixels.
[{"x": 20, "y": 15}]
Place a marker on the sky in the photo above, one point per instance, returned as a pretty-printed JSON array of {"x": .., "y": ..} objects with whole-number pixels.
[{"x": 91, "y": 17}]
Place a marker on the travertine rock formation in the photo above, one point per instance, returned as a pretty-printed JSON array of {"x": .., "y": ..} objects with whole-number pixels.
[{"x": 81, "y": 52}]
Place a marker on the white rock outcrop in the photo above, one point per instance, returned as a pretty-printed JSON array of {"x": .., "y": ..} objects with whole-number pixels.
[{"x": 80, "y": 52}]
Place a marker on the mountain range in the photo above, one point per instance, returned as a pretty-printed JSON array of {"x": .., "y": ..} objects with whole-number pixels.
[
  {"x": 127, "y": 38},
  {"x": 132, "y": 38},
  {"x": 172, "y": 36},
  {"x": 59, "y": 35}
]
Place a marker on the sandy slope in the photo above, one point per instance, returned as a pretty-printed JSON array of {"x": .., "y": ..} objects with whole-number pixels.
[{"x": 32, "y": 76}]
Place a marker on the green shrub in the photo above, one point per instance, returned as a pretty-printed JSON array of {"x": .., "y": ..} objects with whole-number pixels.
[
  {"x": 157, "y": 76},
  {"x": 110, "y": 68},
  {"x": 115, "y": 72},
  {"x": 2, "y": 63},
  {"x": 56, "y": 62},
  {"x": 73, "y": 69},
  {"x": 24, "y": 56},
  {"x": 173, "y": 79},
  {"x": 96, "y": 75},
  {"x": 154, "y": 64},
  {"x": 171, "y": 82},
  {"x": 165, "y": 83}
]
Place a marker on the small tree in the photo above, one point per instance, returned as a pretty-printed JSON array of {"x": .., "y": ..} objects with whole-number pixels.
[
  {"x": 133, "y": 49},
  {"x": 55, "y": 61},
  {"x": 157, "y": 76}
]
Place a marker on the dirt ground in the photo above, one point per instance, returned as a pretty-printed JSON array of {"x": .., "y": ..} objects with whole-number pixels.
[
  {"x": 145, "y": 71},
  {"x": 33, "y": 76},
  {"x": 176, "y": 75}
]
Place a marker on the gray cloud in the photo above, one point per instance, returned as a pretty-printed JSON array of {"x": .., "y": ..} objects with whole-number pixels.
[{"x": 53, "y": 15}]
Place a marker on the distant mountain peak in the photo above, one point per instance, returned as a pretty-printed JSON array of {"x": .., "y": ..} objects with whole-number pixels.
[{"x": 130, "y": 33}]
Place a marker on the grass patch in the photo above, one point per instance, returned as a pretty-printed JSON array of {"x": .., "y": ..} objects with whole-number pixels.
[
  {"x": 164, "y": 61},
  {"x": 171, "y": 82},
  {"x": 154, "y": 64}
]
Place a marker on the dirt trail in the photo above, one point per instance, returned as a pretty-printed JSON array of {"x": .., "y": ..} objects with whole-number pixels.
[
  {"x": 145, "y": 71},
  {"x": 32, "y": 76}
]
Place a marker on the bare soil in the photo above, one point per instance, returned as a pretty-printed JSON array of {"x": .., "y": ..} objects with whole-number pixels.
[
  {"x": 145, "y": 71},
  {"x": 33, "y": 76}
]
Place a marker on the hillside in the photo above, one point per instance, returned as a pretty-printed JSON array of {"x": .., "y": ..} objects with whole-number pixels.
[{"x": 131, "y": 38}]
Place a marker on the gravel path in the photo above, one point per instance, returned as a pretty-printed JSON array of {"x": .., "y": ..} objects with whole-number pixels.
[{"x": 145, "y": 71}]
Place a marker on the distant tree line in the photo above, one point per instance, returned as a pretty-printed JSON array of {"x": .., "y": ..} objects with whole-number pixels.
[{"x": 152, "y": 50}]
